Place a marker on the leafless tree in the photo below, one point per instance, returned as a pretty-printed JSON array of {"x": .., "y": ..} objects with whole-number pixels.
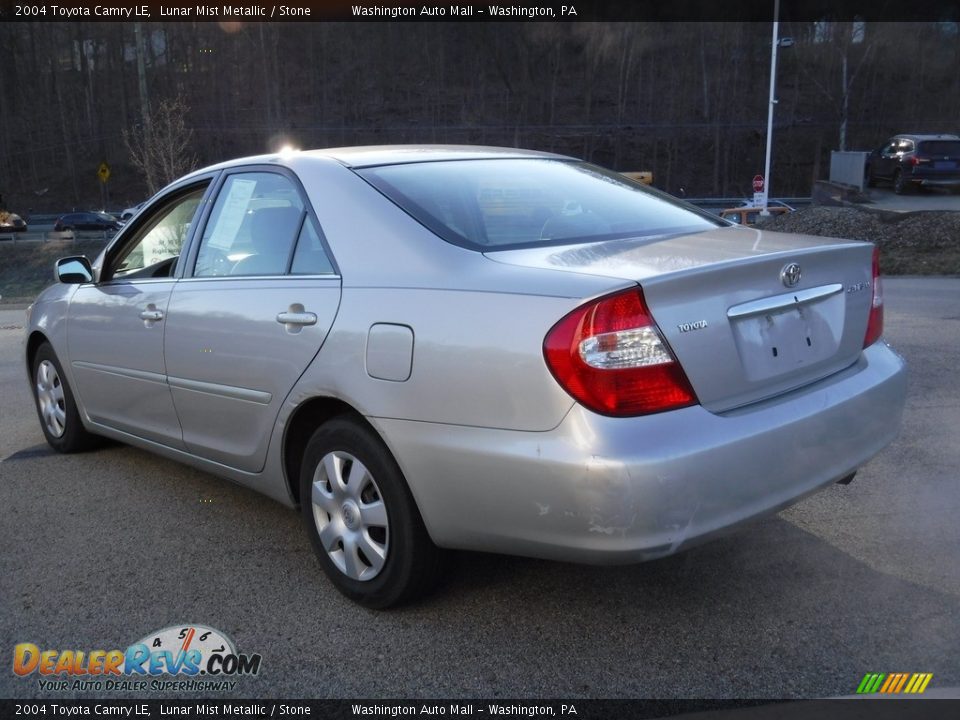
[{"x": 162, "y": 152}]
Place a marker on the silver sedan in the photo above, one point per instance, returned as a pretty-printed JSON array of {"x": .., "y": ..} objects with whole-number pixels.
[{"x": 428, "y": 348}]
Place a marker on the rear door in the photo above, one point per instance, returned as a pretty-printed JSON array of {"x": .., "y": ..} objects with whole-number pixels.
[{"x": 259, "y": 299}]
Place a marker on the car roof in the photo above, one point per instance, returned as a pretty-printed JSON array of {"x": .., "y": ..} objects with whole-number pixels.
[
  {"x": 371, "y": 155},
  {"x": 920, "y": 138},
  {"x": 374, "y": 155}
]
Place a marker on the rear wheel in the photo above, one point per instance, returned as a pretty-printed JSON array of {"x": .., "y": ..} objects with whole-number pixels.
[
  {"x": 361, "y": 518},
  {"x": 56, "y": 407},
  {"x": 871, "y": 181}
]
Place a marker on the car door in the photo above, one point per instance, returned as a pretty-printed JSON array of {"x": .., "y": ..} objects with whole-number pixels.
[
  {"x": 117, "y": 324},
  {"x": 888, "y": 159},
  {"x": 259, "y": 299}
]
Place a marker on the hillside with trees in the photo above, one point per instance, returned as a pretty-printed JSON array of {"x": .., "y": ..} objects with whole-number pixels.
[{"x": 685, "y": 100}]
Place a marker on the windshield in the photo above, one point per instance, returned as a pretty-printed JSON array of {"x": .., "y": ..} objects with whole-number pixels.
[{"x": 513, "y": 203}]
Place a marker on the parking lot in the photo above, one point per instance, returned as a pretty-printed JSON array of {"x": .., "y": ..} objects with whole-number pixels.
[{"x": 101, "y": 549}]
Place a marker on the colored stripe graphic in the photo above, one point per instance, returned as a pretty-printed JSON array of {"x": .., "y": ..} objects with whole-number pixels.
[
  {"x": 870, "y": 683},
  {"x": 894, "y": 683},
  {"x": 899, "y": 687},
  {"x": 918, "y": 683}
]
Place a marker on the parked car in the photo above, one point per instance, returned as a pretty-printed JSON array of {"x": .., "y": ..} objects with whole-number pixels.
[
  {"x": 593, "y": 371},
  {"x": 908, "y": 162},
  {"x": 86, "y": 221},
  {"x": 751, "y": 215},
  {"x": 131, "y": 211},
  {"x": 11, "y": 222}
]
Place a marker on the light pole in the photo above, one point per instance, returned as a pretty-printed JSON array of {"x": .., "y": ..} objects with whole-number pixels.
[{"x": 773, "y": 101}]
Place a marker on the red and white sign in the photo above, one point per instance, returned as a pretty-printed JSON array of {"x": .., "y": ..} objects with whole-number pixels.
[{"x": 758, "y": 183}]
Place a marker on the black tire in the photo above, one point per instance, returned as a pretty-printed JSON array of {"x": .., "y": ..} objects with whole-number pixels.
[
  {"x": 900, "y": 185},
  {"x": 871, "y": 180},
  {"x": 377, "y": 550},
  {"x": 56, "y": 407}
]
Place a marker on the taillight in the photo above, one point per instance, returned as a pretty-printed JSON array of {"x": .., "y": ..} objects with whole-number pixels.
[
  {"x": 610, "y": 356},
  {"x": 914, "y": 160},
  {"x": 875, "y": 323}
]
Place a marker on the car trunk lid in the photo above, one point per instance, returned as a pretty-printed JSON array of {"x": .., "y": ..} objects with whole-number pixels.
[{"x": 749, "y": 314}]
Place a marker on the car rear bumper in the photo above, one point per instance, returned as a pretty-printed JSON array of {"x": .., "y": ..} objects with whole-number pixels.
[
  {"x": 938, "y": 182},
  {"x": 613, "y": 490}
]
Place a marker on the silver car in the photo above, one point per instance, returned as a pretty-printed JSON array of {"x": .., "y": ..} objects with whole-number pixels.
[{"x": 488, "y": 349}]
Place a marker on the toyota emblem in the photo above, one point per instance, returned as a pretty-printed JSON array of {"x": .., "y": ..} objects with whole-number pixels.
[{"x": 790, "y": 275}]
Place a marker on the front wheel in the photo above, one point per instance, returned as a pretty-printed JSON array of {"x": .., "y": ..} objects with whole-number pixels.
[
  {"x": 56, "y": 407},
  {"x": 361, "y": 518},
  {"x": 901, "y": 186}
]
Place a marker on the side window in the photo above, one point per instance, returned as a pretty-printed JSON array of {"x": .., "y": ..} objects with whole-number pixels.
[
  {"x": 310, "y": 258},
  {"x": 154, "y": 249},
  {"x": 252, "y": 228}
]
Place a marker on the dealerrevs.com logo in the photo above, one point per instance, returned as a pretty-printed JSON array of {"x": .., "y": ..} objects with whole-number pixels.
[{"x": 177, "y": 658}]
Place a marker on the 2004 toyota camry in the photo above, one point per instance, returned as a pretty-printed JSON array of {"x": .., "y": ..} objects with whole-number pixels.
[{"x": 464, "y": 347}]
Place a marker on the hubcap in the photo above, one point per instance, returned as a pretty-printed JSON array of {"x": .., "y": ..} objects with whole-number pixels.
[
  {"x": 50, "y": 398},
  {"x": 350, "y": 516}
]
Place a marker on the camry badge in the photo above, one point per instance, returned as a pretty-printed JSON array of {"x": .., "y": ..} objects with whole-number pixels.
[{"x": 790, "y": 275}]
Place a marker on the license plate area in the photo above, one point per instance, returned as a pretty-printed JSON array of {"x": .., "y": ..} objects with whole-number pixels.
[
  {"x": 945, "y": 165},
  {"x": 792, "y": 333}
]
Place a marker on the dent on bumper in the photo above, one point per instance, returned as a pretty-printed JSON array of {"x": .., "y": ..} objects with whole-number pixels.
[{"x": 609, "y": 490}]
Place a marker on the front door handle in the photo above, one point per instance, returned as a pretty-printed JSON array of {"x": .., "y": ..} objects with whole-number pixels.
[{"x": 151, "y": 315}]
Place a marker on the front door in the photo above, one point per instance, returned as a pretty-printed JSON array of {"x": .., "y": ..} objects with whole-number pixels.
[{"x": 117, "y": 325}]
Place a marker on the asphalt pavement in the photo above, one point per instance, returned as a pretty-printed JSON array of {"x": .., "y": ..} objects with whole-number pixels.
[{"x": 101, "y": 549}]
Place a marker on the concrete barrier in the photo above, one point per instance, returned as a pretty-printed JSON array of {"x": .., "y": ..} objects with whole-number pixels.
[{"x": 848, "y": 168}]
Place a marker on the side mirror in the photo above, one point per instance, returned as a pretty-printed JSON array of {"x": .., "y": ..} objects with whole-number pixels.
[{"x": 74, "y": 270}]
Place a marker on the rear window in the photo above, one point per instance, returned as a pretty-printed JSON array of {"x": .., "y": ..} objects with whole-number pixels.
[
  {"x": 513, "y": 203},
  {"x": 940, "y": 147}
]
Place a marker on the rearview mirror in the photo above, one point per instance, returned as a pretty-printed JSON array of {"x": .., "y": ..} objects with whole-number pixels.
[{"x": 74, "y": 270}]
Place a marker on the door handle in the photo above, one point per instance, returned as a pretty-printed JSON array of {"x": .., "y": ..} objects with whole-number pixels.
[
  {"x": 153, "y": 315},
  {"x": 297, "y": 318}
]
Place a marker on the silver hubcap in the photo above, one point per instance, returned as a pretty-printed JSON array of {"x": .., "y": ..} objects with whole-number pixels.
[
  {"x": 50, "y": 398},
  {"x": 350, "y": 516}
]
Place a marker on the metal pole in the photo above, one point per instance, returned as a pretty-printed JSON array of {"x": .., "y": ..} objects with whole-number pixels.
[{"x": 773, "y": 101}]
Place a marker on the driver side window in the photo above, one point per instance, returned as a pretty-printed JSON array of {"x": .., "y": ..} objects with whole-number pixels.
[{"x": 154, "y": 249}]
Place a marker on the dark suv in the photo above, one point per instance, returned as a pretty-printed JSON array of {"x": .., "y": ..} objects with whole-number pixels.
[{"x": 912, "y": 161}]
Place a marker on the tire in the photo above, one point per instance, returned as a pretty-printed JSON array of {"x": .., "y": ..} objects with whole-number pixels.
[
  {"x": 361, "y": 518},
  {"x": 900, "y": 185},
  {"x": 56, "y": 407},
  {"x": 871, "y": 180}
]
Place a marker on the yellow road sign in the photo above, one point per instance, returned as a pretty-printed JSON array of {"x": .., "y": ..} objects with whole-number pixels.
[{"x": 103, "y": 172}]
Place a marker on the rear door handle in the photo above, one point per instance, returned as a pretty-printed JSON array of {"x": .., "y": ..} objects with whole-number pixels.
[
  {"x": 297, "y": 318},
  {"x": 153, "y": 315}
]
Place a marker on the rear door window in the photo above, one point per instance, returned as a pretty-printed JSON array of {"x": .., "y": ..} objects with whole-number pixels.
[
  {"x": 940, "y": 147},
  {"x": 253, "y": 226}
]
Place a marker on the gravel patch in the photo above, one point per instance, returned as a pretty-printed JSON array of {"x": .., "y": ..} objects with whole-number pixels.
[{"x": 915, "y": 243}]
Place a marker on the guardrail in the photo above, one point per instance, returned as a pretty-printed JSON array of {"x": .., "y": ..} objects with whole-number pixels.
[{"x": 67, "y": 236}]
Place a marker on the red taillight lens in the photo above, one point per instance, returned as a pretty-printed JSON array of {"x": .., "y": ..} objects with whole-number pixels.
[
  {"x": 609, "y": 355},
  {"x": 875, "y": 323}
]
